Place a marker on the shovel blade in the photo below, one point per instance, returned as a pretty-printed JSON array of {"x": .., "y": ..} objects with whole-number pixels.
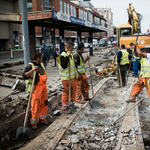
[
  {"x": 22, "y": 134},
  {"x": 72, "y": 108},
  {"x": 95, "y": 104}
]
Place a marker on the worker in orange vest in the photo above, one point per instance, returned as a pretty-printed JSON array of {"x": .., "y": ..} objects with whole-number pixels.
[
  {"x": 82, "y": 87},
  {"x": 39, "y": 100}
]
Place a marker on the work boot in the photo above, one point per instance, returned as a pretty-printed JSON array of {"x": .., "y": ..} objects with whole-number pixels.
[
  {"x": 45, "y": 123},
  {"x": 34, "y": 127},
  {"x": 129, "y": 101},
  {"x": 67, "y": 112},
  {"x": 88, "y": 99}
]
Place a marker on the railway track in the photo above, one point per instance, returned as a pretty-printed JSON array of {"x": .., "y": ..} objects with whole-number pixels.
[{"x": 92, "y": 128}]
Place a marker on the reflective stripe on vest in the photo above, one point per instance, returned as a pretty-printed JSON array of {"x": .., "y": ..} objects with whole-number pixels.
[
  {"x": 30, "y": 79},
  {"x": 145, "y": 68},
  {"x": 124, "y": 58},
  {"x": 81, "y": 68},
  {"x": 64, "y": 73}
]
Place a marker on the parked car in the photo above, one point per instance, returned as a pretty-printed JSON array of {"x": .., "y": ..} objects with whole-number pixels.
[
  {"x": 75, "y": 45},
  {"x": 57, "y": 47},
  {"x": 114, "y": 43},
  {"x": 86, "y": 45},
  {"x": 103, "y": 42},
  {"x": 109, "y": 44},
  {"x": 39, "y": 48}
]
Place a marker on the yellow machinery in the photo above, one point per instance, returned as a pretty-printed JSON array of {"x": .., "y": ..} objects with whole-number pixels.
[
  {"x": 98, "y": 71},
  {"x": 125, "y": 32}
]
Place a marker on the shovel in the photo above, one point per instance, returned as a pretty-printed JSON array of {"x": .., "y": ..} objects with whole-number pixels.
[
  {"x": 120, "y": 76},
  {"x": 70, "y": 105},
  {"x": 23, "y": 133},
  {"x": 93, "y": 103}
]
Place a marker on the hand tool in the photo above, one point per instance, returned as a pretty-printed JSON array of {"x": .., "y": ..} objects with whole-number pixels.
[
  {"x": 23, "y": 133},
  {"x": 93, "y": 103},
  {"x": 127, "y": 111}
]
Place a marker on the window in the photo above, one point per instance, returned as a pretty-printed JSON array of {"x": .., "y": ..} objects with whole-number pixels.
[
  {"x": 61, "y": 6},
  {"x": 68, "y": 10},
  {"x": 29, "y": 9},
  {"x": 89, "y": 16},
  {"x": 47, "y": 5},
  {"x": 74, "y": 11},
  {"x": 103, "y": 23},
  {"x": 86, "y": 16},
  {"x": 65, "y": 8},
  {"x": 71, "y": 10},
  {"x": 104, "y": 10},
  {"x": 125, "y": 31},
  {"x": 107, "y": 10},
  {"x": 29, "y": 6},
  {"x": 81, "y": 15}
]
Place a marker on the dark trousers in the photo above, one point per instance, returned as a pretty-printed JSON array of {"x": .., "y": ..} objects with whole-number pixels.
[{"x": 123, "y": 75}]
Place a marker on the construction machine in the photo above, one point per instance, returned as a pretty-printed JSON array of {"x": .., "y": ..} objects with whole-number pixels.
[{"x": 127, "y": 33}]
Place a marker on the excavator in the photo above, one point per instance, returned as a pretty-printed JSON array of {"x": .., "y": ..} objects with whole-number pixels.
[{"x": 127, "y": 33}]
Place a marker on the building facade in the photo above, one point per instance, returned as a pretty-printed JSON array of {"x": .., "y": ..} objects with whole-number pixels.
[
  {"x": 7, "y": 28},
  {"x": 82, "y": 10},
  {"x": 108, "y": 15}
]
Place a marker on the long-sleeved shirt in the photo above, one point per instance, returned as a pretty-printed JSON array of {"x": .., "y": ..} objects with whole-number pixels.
[
  {"x": 64, "y": 61},
  {"x": 29, "y": 67},
  {"x": 77, "y": 59}
]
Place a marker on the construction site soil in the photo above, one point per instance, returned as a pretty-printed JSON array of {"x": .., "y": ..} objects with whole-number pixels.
[{"x": 91, "y": 129}]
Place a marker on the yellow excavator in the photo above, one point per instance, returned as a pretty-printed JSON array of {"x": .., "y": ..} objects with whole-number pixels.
[{"x": 126, "y": 33}]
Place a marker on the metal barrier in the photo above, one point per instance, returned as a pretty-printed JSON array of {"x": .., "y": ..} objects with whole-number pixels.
[{"x": 12, "y": 50}]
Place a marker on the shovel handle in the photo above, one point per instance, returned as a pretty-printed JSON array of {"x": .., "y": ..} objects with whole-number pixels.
[
  {"x": 26, "y": 116},
  {"x": 128, "y": 71},
  {"x": 91, "y": 77},
  {"x": 128, "y": 110},
  {"x": 69, "y": 82},
  {"x": 120, "y": 76},
  {"x": 9, "y": 94}
]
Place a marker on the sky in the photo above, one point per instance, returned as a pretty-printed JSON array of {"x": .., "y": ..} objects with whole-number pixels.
[{"x": 119, "y": 9}]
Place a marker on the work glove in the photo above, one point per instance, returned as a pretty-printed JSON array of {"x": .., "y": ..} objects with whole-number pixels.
[{"x": 68, "y": 53}]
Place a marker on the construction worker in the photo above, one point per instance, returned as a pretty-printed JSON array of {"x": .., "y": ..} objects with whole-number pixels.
[
  {"x": 144, "y": 79},
  {"x": 82, "y": 87},
  {"x": 135, "y": 61},
  {"x": 122, "y": 60},
  {"x": 39, "y": 100},
  {"x": 63, "y": 63}
]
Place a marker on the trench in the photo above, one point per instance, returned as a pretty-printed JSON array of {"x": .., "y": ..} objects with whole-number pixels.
[
  {"x": 11, "y": 123},
  {"x": 92, "y": 128}
]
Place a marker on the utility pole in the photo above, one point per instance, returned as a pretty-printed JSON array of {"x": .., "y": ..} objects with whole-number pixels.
[{"x": 25, "y": 32}]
